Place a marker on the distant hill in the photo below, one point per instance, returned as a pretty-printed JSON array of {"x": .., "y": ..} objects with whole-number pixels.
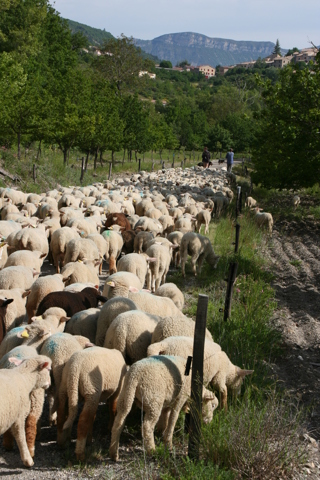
[
  {"x": 95, "y": 36},
  {"x": 199, "y": 49}
]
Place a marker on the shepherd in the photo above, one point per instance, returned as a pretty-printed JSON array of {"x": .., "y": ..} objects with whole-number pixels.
[{"x": 205, "y": 157}]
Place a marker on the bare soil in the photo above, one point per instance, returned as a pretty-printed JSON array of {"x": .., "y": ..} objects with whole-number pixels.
[{"x": 294, "y": 252}]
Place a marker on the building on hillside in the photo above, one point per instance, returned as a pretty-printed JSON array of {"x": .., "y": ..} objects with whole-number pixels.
[
  {"x": 144, "y": 72},
  {"x": 223, "y": 70},
  {"x": 280, "y": 62},
  {"x": 206, "y": 70},
  {"x": 246, "y": 64},
  {"x": 305, "y": 55}
]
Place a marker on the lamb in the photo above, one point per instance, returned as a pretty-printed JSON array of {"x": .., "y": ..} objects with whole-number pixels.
[
  {"x": 203, "y": 218},
  {"x": 81, "y": 249},
  {"x": 159, "y": 268},
  {"x": 250, "y": 202},
  {"x": 220, "y": 203},
  {"x": 114, "y": 246},
  {"x": 54, "y": 317},
  {"x": 185, "y": 224},
  {"x": 170, "y": 290},
  {"x": 84, "y": 323},
  {"x": 149, "y": 225},
  {"x": 96, "y": 374},
  {"x": 128, "y": 237},
  {"x": 141, "y": 240},
  {"x": 130, "y": 333},
  {"x": 33, "y": 239},
  {"x": 26, "y": 258},
  {"x": 296, "y": 201},
  {"x": 173, "y": 327},
  {"x": 263, "y": 219},
  {"x": 110, "y": 310},
  {"x": 12, "y": 307},
  {"x": 80, "y": 272},
  {"x": 59, "y": 348},
  {"x": 160, "y": 388},
  {"x": 175, "y": 238},
  {"x": 21, "y": 353},
  {"x": 58, "y": 245},
  {"x": 119, "y": 284},
  {"x": 39, "y": 289},
  {"x": 200, "y": 249},
  {"x": 137, "y": 264},
  {"x": 17, "y": 277},
  {"x": 17, "y": 385},
  {"x": 101, "y": 245},
  {"x": 149, "y": 303},
  {"x": 71, "y": 302}
]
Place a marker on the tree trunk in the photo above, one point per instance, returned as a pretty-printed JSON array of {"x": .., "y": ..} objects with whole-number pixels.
[
  {"x": 65, "y": 155},
  {"x": 101, "y": 159},
  {"x": 160, "y": 151},
  {"x": 39, "y": 150},
  {"x": 87, "y": 159},
  {"x": 19, "y": 144},
  {"x": 135, "y": 154},
  {"x": 95, "y": 159},
  {"x": 112, "y": 157},
  {"x": 124, "y": 156}
]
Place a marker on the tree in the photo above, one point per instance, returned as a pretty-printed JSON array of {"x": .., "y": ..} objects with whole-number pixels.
[
  {"x": 183, "y": 64},
  {"x": 277, "y": 48},
  {"x": 287, "y": 149},
  {"x": 291, "y": 51},
  {"x": 165, "y": 64},
  {"x": 120, "y": 63}
]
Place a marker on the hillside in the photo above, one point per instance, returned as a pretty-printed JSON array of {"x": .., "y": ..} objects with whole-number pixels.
[
  {"x": 199, "y": 49},
  {"x": 94, "y": 35}
]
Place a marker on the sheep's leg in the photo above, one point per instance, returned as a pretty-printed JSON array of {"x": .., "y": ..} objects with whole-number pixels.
[
  {"x": 224, "y": 398},
  {"x": 173, "y": 417},
  {"x": 184, "y": 256},
  {"x": 85, "y": 426},
  {"x": 178, "y": 258},
  {"x": 117, "y": 428},
  {"x": 207, "y": 228},
  {"x": 194, "y": 259},
  {"x": 8, "y": 440},
  {"x": 112, "y": 265},
  {"x": 18, "y": 431},
  {"x": 163, "y": 420},
  {"x": 150, "y": 420},
  {"x": 31, "y": 433},
  {"x": 52, "y": 409},
  {"x": 200, "y": 262},
  {"x": 149, "y": 279},
  {"x": 113, "y": 401},
  {"x": 61, "y": 418}
]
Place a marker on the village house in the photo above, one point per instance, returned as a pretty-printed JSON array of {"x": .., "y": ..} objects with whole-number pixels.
[
  {"x": 280, "y": 62},
  {"x": 206, "y": 70},
  {"x": 223, "y": 70}
]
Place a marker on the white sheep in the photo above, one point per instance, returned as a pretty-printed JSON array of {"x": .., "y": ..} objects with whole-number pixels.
[
  {"x": 170, "y": 290},
  {"x": 80, "y": 272},
  {"x": 16, "y": 386},
  {"x": 200, "y": 249},
  {"x": 114, "y": 246},
  {"x": 296, "y": 201},
  {"x": 159, "y": 386},
  {"x": 159, "y": 268},
  {"x": 120, "y": 284},
  {"x": 130, "y": 333},
  {"x": 263, "y": 219},
  {"x": 39, "y": 289},
  {"x": 161, "y": 306},
  {"x": 58, "y": 245},
  {"x": 173, "y": 327},
  {"x": 250, "y": 202},
  {"x": 95, "y": 374},
  {"x": 141, "y": 240},
  {"x": 135, "y": 263},
  {"x": 12, "y": 307},
  {"x": 109, "y": 311},
  {"x": 17, "y": 277},
  {"x": 203, "y": 218},
  {"x": 81, "y": 249},
  {"x": 84, "y": 323}
]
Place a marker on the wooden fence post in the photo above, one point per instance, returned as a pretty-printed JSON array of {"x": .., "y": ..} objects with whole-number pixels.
[
  {"x": 231, "y": 279},
  {"x": 197, "y": 378},
  {"x": 139, "y": 167},
  {"x": 34, "y": 173}
]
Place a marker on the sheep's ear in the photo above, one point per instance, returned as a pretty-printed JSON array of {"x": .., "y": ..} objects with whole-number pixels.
[
  {"x": 151, "y": 259},
  {"x": 43, "y": 255},
  {"x": 66, "y": 279},
  {"x": 5, "y": 301},
  {"x": 35, "y": 273},
  {"x": 145, "y": 290},
  {"x": 207, "y": 395},
  {"x": 89, "y": 344},
  {"x": 64, "y": 319},
  {"x": 96, "y": 287},
  {"x": 174, "y": 246},
  {"x": 16, "y": 361},
  {"x": 26, "y": 293},
  {"x": 111, "y": 284},
  {"x": 23, "y": 334},
  {"x": 102, "y": 298},
  {"x": 242, "y": 373},
  {"x": 44, "y": 365},
  {"x": 34, "y": 319},
  {"x": 43, "y": 333},
  {"x": 133, "y": 289}
]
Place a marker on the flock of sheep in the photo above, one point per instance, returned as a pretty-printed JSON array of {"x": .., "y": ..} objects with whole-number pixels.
[{"x": 133, "y": 348}]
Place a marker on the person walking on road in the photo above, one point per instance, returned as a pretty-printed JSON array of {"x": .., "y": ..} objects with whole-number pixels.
[
  {"x": 205, "y": 157},
  {"x": 229, "y": 158}
]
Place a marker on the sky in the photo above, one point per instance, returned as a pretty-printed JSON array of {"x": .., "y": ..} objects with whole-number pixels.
[{"x": 293, "y": 22}]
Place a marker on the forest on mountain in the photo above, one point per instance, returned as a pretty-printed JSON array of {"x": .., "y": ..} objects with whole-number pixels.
[{"x": 53, "y": 92}]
